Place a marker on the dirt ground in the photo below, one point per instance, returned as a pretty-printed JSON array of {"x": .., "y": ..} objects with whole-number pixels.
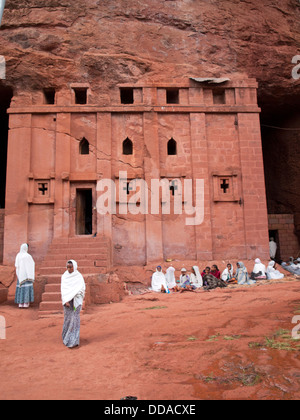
[{"x": 233, "y": 343}]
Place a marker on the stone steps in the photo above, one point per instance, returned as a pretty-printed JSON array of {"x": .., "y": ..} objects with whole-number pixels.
[{"x": 91, "y": 255}]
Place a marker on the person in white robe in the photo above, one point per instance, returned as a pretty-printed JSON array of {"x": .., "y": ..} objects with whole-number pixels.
[
  {"x": 227, "y": 273},
  {"x": 170, "y": 278},
  {"x": 72, "y": 294},
  {"x": 259, "y": 270},
  {"x": 25, "y": 270},
  {"x": 272, "y": 273},
  {"x": 273, "y": 248},
  {"x": 159, "y": 282},
  {"x": 195, "y": 277}
]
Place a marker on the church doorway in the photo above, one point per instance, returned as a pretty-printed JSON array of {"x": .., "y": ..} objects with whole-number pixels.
[{"x": 84, "y": 211}]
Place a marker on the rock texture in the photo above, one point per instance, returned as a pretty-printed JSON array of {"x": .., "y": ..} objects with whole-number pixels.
[{"x": 51, "y": 43}]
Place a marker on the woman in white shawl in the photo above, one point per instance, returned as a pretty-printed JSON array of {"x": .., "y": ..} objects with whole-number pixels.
[
  {"x": 72, "y": 294},
  {"x": 259, "y": 270},
  {"x": 195, "y": 277},
  {"x": 25, "y": 270},
  {"x": 170, "y": 278},
  {"x": 272, "y": 273},
  {"x": 159, "y": 282}
]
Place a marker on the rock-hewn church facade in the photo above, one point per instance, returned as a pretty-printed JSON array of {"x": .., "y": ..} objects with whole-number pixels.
[{"x": 61, "y": 144}]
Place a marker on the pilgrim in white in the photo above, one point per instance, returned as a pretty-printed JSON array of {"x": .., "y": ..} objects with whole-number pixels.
[
  {"x": 273, "y": 248},
  {"x": 170, "y": 278},
  {"x": 272, "y": 273},
  {"x": 72, "y": 294},
  {"x": 159, "y": 282},
  {"x": 25, "y": 270},
  {"x": 195, "y": 277},
  {"x": 259, "y": 270}
]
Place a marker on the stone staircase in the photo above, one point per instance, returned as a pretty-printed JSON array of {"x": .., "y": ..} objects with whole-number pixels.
[{"x": 92, "y": 256}]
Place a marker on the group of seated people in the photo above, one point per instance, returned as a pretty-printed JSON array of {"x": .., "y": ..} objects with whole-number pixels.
[
  {"x": 211, "y": 277},
  {"x": 293, "y": 266}
]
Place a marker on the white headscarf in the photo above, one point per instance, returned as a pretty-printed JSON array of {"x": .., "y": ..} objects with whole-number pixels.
[
  {"x": 258, "y": 266},
  {"x": 272, "y": 273},
  {"x": 170, "y": 277},
  {"x": 158, "y": 280},
  {"x": 196, "y": 279},
  {"x": 25, "y": 266},
  {"x": 72, "y": 286}
]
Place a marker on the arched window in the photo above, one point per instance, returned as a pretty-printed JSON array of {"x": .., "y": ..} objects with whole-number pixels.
[
  {"x": 84, "y": 147},
  {"x": 172, "y": 147},
  {"x": 127, "y": 147}
]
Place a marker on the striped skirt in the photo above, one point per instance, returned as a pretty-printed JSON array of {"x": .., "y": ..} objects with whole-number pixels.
[
  {"x": 24, "y": 293},
  {"x": 71, "y": 327}
]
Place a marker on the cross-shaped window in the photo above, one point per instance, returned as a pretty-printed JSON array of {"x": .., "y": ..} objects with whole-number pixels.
[
  {"x": 43, "y": 187},
  {"x": 127, "y": 188},
  {"x": 224, "y": 185},
  {"x": 173, "y": 187}
]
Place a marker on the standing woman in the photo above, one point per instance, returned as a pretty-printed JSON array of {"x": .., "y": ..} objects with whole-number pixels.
[
  {"x": 72, "y": 293},
  {"x": 25, "y": 269}
]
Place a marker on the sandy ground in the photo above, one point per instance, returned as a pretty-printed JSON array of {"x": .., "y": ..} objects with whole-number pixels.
[{"x": 230, "y": 343}]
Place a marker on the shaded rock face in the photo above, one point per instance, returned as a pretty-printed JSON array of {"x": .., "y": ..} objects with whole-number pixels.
[
  {"x": 54, "y": 43},
  {"x": 109, "y": 41}
]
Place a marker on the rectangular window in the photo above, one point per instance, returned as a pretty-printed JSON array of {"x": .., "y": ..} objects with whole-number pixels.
[
  {"x": 172, "y": 96},
  {"x": 126, "y": 95},
  {"x": 80, "y": 96},
  {"x": 219, "y": 97},
  {"x": 49, "y": 96}
]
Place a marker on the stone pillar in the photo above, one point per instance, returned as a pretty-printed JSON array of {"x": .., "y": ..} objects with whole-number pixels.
[
  {"x": 104, "y": 222},
  {"x": 154, "y": 243},
  {"x": 62, "y": 169},
  {"x": 199, "y": 155},
  {"x": 253, "y": 185},
  {"x": 17, "y": 183}
]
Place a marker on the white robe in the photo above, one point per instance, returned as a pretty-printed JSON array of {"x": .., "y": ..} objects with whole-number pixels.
[
  {"x": 170, "y": 277},
  {"x": 196, "y": 280},
  {"x": 227, "y": 274},
  {"x": 158, "y": 280},
  {"x": 72, "y": 287},
  {"x": 272, "y": 273},
  {"x": 258, "y": 266},
  {"x": 25, "y": 266},
  {"x": 273, "y": 249}
]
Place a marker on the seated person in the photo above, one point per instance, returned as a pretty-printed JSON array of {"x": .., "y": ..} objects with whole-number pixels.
[
  {"x": 215, "y": 272},
  {"x": 205, "y": 271},
  {"x": 272, "y": 273},
  {"x": 242, "y": 275},
  {"x": 211, "y": 282},
  {"x": 159, "y": 283},
  {"x": 170, "y": 278},
  {"x": 195, "y": 277},
  {"x": 259, "y": 271},
  {"x": 227, "y": 274},
  {"x": 185, "y": 282}
]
